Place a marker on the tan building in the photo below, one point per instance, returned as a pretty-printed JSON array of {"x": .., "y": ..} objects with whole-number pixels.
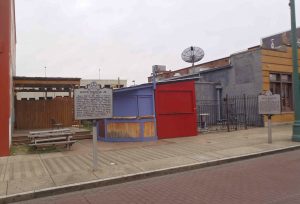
[
  {"x": 40, "y": 88},
  {"x": 106, "y": 83}
]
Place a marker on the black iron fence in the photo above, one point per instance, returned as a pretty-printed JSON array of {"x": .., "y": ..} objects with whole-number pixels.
[{"x": 230, "y": 113}]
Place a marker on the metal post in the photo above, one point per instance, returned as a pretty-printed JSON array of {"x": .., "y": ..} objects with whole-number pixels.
[
  {"x": 296, "y": 88},
  {"x": 236, "y": 114},
  {"x": 245, "y": 111},
  {"x": 219, "y": 103},
  {"x": 154, "y": 76},
  {"x": 95, "y": 165},
  {"x": 227, "y": 113},
  {"x": 269, "y": 129},
  {"x": 153, "y": 99}
]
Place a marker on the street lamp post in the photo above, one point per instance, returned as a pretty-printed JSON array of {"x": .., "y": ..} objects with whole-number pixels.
[{"x": 296, "y": 88}]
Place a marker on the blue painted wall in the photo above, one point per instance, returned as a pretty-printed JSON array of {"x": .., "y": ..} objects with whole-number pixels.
[
  {"x": 136, "y": 102},
  {"x": 130, "y": 102}
]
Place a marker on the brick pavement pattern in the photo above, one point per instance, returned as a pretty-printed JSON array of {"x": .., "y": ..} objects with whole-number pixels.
[
  {"x": 34, "y": 172},
  {"x": 273, "y": 179}
]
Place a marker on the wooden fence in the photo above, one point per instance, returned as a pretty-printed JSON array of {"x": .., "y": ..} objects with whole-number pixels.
[{"x": 38, "y": 114}]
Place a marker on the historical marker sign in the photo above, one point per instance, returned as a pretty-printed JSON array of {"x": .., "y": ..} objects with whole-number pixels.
[
  {"x": 92, "y": 103},
  {"x": 269, "y": 104}
]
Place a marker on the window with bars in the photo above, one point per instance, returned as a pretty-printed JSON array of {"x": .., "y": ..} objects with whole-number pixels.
[{"x": 281, "y": 83}]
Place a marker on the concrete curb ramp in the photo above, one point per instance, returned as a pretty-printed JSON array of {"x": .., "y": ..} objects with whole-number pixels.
[{"x": 132, "y": 177}]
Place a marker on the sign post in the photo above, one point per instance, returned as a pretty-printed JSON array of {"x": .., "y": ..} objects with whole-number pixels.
[
  {"x": 269, "y": 129},
  {"x": 269, "y": 104},
  {"x": 93, "y": 103}
]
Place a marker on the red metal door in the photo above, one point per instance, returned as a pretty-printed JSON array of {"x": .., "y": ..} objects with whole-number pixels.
[{"x": 176, "y": 110}]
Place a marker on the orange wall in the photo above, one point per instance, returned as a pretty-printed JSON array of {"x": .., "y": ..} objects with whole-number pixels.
[
  {"x": 283, "y": 117},
  {"x": 277, "y": 61},
  {"x": 7, "y": 60}
]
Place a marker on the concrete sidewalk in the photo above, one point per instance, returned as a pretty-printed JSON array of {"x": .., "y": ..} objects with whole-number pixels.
[{"x": 29, "y": 173}]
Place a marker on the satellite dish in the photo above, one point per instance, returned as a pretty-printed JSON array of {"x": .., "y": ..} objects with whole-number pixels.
[{"x": 192, "y": 54}]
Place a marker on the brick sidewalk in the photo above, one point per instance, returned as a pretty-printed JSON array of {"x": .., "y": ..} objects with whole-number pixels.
[
  {"x": 25, "y": 173},
  {"x": 271, "y": 179}
]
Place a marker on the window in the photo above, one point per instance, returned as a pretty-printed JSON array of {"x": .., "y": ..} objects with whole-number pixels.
[
  {"x": 119, "y": 86},
  {"x": 281, "y": 83}
]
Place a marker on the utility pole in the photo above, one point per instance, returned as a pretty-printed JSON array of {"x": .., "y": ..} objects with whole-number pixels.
[
  {"x": 99, "y": 74},
  {"x": 296, "y": 88},
  {"x": 45, "y": 71}
]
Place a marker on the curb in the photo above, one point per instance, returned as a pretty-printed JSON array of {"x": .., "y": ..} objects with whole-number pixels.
[{"x": 132, "y": 177}]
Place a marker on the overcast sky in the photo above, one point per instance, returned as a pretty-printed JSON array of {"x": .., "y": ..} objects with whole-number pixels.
[{"x": 74, "y": 38}]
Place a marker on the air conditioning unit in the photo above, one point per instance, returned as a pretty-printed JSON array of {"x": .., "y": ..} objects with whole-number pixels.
[{"x": 159, "y": 68}]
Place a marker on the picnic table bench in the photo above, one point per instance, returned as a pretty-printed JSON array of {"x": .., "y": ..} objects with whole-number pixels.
[{"x": 51, "y": 137}]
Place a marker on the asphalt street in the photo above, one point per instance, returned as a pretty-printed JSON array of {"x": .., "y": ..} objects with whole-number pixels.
[{"x": 270, "y": 179}]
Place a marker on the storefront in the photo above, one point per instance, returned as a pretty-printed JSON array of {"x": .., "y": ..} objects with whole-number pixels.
[{"x": 134, "y": 118}]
